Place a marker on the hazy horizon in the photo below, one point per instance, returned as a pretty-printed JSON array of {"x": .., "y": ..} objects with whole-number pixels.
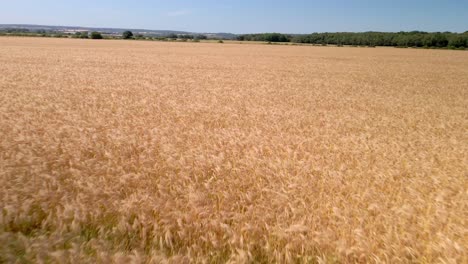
[
  {"x": 295, "y": 17},
  {"x": 168, "y": 29}
]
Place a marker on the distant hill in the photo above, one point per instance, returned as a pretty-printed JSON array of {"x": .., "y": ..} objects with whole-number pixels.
[{"x": 113, "y": 31}]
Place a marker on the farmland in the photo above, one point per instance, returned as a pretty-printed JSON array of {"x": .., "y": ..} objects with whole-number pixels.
[{"x": 130, "y": 151}]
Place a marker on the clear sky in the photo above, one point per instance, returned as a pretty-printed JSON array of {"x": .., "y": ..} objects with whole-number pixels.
[{"x": 244, "y": 16}]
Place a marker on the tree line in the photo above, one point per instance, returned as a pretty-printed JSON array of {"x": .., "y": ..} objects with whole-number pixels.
[
  {"x": 268, "y": 37},
  {"x": 99, "y": 35},
  {"x": 399, "y": 39},
  {"x": 43, "y": 33}
]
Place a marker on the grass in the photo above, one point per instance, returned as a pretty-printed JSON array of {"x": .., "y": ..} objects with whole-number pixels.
[{"x": 121, "y": 151}]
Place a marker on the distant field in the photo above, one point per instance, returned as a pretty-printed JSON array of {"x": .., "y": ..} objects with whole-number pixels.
[{"x": 130, "y": 151}]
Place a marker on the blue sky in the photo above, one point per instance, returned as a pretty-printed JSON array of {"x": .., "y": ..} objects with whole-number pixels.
[{"x": 243, "y": 16}]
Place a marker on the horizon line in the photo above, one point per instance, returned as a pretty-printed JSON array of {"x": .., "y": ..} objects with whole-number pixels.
[{"x": 204, "y": 32}]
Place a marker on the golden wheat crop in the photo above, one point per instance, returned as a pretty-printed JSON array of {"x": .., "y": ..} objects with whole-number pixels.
[{"x": 126, "y": 151}]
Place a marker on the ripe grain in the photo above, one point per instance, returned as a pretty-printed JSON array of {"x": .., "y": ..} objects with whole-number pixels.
[{"x": 130, "y": 151}]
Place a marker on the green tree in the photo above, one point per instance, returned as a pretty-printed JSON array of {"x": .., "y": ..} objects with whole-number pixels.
[
  {"x": 172, "y": 36},
  {"x": 458, "y": 41},
  {"x": 127, "y": 35},
  {"x": 439, "y": 40},
  {"x": 96, "y": 35}
]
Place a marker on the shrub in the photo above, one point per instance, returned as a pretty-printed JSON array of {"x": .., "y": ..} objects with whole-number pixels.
[
  {"x": 83, "y": 35},
  {"x": 201, "y": 37}
]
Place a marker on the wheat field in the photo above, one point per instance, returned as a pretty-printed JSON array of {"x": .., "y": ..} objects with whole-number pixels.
[{"x": 153, "y": 152}]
